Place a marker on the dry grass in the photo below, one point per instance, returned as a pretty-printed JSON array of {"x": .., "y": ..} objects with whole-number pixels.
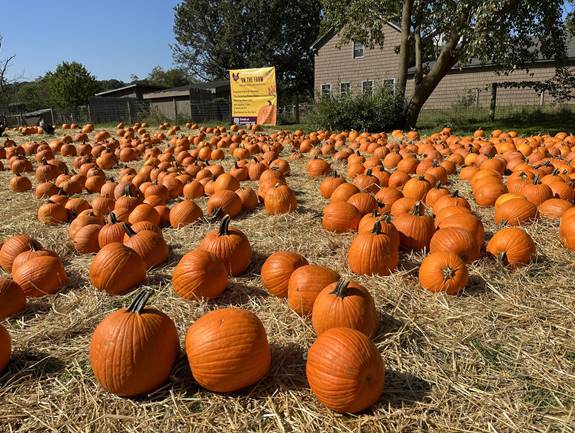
[{"x": 499, "y": 358}]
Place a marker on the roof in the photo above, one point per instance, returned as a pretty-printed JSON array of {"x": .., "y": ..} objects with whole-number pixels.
[
  {"x": 476, "y": 63},
  {"x": 331, "y": 32},
  {"x": 131, "y": 86},
  {"x": 185, "y": 90}
]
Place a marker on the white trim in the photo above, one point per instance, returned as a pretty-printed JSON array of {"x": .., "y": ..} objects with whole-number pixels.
[
  {"x": 321, "y": 89},
  {"x": 353, "y": 50}
]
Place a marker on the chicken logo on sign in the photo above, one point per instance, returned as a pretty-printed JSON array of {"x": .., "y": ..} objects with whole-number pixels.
[{"x": 236, "y": 77}]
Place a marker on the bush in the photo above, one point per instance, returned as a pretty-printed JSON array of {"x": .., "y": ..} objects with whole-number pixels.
[{"x": 375, "y": 112}]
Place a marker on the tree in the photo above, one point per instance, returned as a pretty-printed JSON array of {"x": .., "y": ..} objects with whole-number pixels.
[
  {"x": 71, "y": 85},
  {"x": 173, "y": 77},
  {"x": 4, "y": 64},
  {"x": 33, "y": 95},
  {"x": 111, "y": 84},
  {"x": 437, "y": 35},
  {"x": 215, "y": 36}
]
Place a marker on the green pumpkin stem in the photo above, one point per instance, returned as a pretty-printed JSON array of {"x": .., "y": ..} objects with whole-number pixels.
[
  {"x": 376, "y": 228},
  {"x": 368, "y": 172},
  {"x": 128, "y": 229},
  {"x": 113, "y": 218},
  {"x": 340, "y": 288},
  {"x": 139, "y": 302},
  {"x": 334, "y": 173},
  {"x": 225, "y": 226}
]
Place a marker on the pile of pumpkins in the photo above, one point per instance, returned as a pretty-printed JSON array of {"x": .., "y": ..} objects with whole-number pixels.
[{"x": 395, "y": 195}]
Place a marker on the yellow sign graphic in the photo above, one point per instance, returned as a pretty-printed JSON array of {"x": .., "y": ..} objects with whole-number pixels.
[{"x": 254, "y": 96}]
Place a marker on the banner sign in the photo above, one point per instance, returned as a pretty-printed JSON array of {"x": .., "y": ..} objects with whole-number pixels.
[{"x": 254, "y": 97}]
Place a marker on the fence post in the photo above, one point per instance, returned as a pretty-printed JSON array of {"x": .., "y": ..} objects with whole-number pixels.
[
  {"x": 52, "y": 116},
  {"x": 477, "y": 97},
  {"x": 130, "y": 121},
  {"x": 493, "y": 104},
  {"x": 175, "y": 111},
  {"x": 89, "y": 113},
  {"x": 297, "y": 108},
  {"x": 191, "y": 113},
  {"x": 542, "y": 98}
]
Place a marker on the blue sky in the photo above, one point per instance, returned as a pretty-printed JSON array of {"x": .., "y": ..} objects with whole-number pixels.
[{"x": 113, "y": 39}]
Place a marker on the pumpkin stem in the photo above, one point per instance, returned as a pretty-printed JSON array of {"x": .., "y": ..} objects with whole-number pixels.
[
  {"x": 225, "y": 226},
  {"x": 386, "y": 218},
  {"x": 448, "y": 273},
  {"x": 216, "y": 213},
  {"x": 340, "y": 288},
  {"x": 376, "y": 228},
  {"x": 113, "y": 218},
  {"x": 368, "y": 172},
  {"x": 128, "y": 229},
  {"x": 374, "y": 213},
  {"x": 536, "y": 180},
  {"x": 127, "y": 190},
  {"x": 416, "y": 208},
  {"x": 502, "y": 258},
  {"x": 455, "y": 193},
  {"x": 334, "y": 173},
  {"x": 139, "y": 302}
]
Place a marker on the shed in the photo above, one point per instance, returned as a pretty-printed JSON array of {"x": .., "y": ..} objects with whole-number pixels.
[{"x": 198, "y": 102}]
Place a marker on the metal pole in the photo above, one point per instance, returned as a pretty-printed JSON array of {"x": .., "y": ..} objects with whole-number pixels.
[
  {"x": 542, "y": 98},
  {"x": 493, "y": 104},
  {"x": 52, "y": 116}
]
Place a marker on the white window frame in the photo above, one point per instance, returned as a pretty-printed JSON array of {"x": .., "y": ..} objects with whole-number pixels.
[
  {"x": 363, "y": 86},
  {"x": 340, "y": 91},
  {"x": 393, "y": 81},
  {"x": 353, "y": 50},
  {"x": 321, "y": 90}
]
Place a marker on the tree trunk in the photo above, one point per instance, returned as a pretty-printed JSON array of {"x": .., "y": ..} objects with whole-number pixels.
[{"x": 404, "y": 48}]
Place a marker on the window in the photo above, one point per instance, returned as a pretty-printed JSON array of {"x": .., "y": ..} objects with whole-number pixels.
[
  {"x": 367, "y": 87},
  {"x": 325, "y": 90},
  {"x": 345, "y": 88},
  {"x": 389, "y": 84},
  {"x": 358, "y": 50}
]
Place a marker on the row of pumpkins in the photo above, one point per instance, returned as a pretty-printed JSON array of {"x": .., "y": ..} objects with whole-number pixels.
[{"x": 417, "y": 183}]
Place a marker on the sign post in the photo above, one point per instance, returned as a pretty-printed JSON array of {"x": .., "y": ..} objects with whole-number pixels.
[{"x": 254, "y": 96}]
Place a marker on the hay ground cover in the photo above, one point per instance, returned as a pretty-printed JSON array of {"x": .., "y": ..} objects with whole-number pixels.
[{"x": 498, "y": 358}]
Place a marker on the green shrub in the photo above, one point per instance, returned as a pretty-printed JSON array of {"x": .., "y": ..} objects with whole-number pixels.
[{"x": 375, "y": 112}]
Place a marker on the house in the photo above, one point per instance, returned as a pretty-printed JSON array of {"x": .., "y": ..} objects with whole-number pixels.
[
  {"x": 198, "y": 102},
  {"x": 352, "y": 68},
  {"x": 132, "y": 91}
]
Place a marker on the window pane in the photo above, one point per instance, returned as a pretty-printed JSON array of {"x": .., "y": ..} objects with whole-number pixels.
[
  {"x": 345, "y": 89},
  {"x": 357, "y": 50},
  {"x": 325, "y": 90},
  {"x": 367, "y": 87}
]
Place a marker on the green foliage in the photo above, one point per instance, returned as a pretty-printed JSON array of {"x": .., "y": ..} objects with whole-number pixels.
[
  {"x": 215, "y": 36},
  {"x": 33, "y": 95},
  {"x": 112, "y": 84},
  {"x": 158, "y": 76},
  {"x": 70, "y": 85},
  {"x": 375, "y": 112}
]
